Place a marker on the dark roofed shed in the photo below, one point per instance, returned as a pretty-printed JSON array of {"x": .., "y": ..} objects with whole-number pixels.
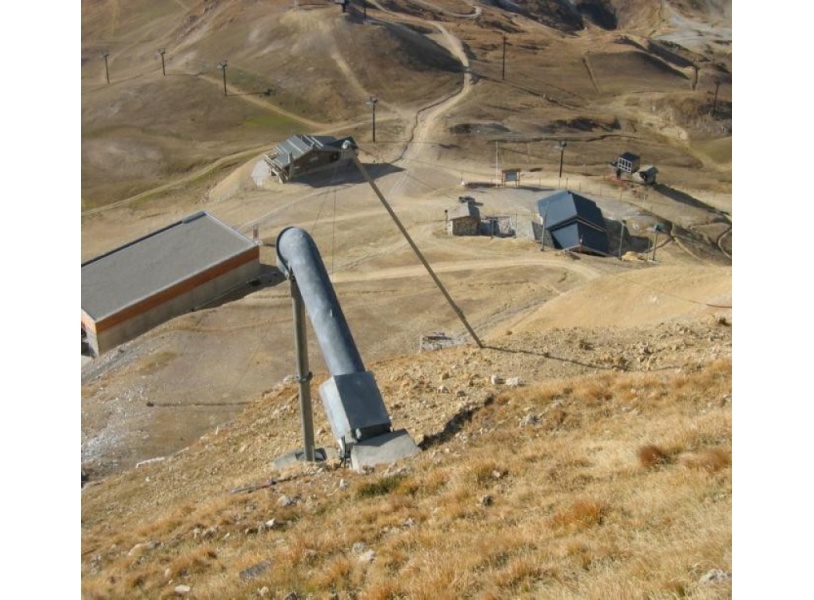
[{"x": 574, "y": 222}]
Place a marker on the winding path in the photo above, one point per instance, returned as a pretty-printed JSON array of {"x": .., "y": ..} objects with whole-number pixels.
[
  {"x": 426, "y": 117},
  {"x": 464, "y": 265}
]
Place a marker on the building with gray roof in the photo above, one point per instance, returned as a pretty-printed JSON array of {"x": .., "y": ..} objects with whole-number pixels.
[
  {"x": 304, "y": 154},
  {"x": 627, "y": 162},
  {"x": 574, "y": 222},
  {"x": 185, "y": 265},
  {"x": 463, "y": 219}
]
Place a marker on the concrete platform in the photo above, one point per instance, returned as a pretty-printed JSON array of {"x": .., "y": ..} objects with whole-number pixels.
[{"x": 382, "y": 449}]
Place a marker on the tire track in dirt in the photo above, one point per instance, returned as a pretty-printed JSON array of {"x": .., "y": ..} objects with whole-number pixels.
[
  {"x": 426, "y": 117},
  {"x": 463, "y": 265},
  {"x": 590, "y": 72},
  {"x": 252, "y": 99},
  {"x": 173, "y": 184}
]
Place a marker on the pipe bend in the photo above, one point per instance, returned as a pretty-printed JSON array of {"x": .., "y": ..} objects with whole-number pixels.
[{"x": 299, "y": 258}]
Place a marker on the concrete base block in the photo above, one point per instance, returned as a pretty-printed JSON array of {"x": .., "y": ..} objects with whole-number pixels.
[
  {"x": 382, "y": 449},
  {"x": 320, "y": 455}
]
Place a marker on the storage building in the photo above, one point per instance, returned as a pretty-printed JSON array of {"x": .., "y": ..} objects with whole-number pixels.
[
  {"x": 574, "y": 222},
  {"x": 464, "y": 219},
  {"x": 627, "y": 163},
  {"x": 304, "y": 154},
  {"x": 185, "y": 265}
]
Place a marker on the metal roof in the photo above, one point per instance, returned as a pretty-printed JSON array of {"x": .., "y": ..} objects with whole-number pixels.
[
  {"x": 298, "y": 145},
  {"x": 563, "y": 206},
  {"x": 157, "y": 261},
  {"x": 582, "y": 237},
  {"x": 574, "y": 221},
  {"x": 466, "y": 209},
  {"x": 629, "y": 156}
]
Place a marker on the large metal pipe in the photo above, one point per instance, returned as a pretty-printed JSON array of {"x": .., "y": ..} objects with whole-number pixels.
[
  {"x": 352, "y": 400},
  {"x": 297, "y": 255}
]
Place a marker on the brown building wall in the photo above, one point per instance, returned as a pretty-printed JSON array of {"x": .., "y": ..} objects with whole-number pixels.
[
  {"x": 166, "y": 304},
  {"x": 463, "y": 226}
]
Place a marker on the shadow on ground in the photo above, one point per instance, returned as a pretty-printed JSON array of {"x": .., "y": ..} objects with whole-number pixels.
[
  {"x": 347, "y": 174},
  {"x": 684, "y": 198}
]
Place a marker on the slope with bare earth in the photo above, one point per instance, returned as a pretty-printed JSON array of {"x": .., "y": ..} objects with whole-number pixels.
[
  {"x": 294, "y": 68},
  {"x": 287, "y": 70},
  {"x": 615, "y": 451},
  {"x": 366, "y": 255},
  {"x": 605, "y": 472}
]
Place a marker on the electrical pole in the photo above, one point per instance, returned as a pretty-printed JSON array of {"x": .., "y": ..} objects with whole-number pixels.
[
  {"x": 497, "y": 165},
  {"x": 542, "y": 235},
  {"x": 372, "y": 102},
  {"x": 503, "y": 72},
  {"x": 223, "y": 66},
  {"x": 161, "y": 51},
  {"x": 657, "y": 229},
  {"x": 561, "y": 146},
  {"x": 107, "y": 72},
  {"x": 364, "y": 9}
]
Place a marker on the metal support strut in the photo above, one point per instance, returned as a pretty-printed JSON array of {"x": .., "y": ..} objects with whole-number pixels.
[{"x": 304, "y": 375}]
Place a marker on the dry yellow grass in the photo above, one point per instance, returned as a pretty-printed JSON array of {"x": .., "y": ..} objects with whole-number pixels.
[
  {"x": 539, "y": 491},
  {"x": 558, "y": 508}
]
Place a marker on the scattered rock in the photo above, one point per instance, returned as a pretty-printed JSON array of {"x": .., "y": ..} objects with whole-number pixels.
[
  {"x": 150, "y": 461},
  {"x": 496, "y": 379},
  {"x": 486, "y": 500},
  {"x": 358, "y": 548},
  {"x": 255, "y": 570},
  {"x": 715, "y": 576},
  {"x": 514, "y": 382},
  {"x": 205, "y": 534},
  {"x": 151, "y": 545},
  {"x": 182, "y": 590},
  {"x": 343, "y": 484},
  {"x": 285, "y": 501}
]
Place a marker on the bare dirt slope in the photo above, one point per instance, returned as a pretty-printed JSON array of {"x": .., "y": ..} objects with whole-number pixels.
[{"x": 446, "y": 114}]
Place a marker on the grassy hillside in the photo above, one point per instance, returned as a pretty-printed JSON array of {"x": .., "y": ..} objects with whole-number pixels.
[
  {"x": 609, "y": 485},
  {"x": 603, "y": 471},
  {"x": 312, "y": 69}
]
